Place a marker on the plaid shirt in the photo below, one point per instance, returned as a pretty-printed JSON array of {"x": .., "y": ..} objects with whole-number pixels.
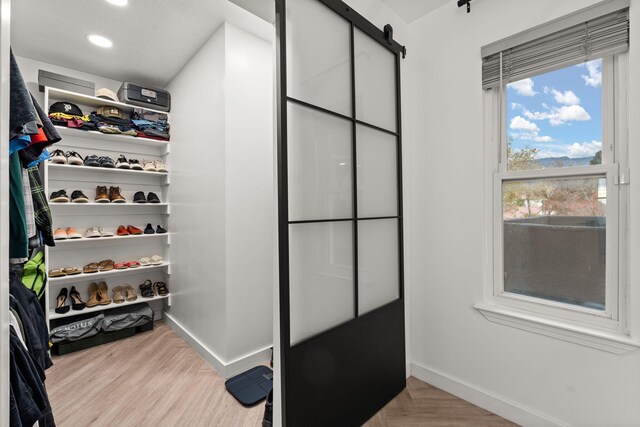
[{"x": 42, "y": 212}]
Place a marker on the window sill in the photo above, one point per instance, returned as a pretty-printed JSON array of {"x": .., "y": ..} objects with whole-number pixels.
[{"x": 607, "y": 341}]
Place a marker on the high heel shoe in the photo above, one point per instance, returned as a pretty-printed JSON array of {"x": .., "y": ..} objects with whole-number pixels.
[
  {"x": 76, "y": 301},
  {"x": 62, "y": 302}
]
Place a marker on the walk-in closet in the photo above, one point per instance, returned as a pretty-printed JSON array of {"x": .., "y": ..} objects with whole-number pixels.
[{"x": 141, "y": 210}]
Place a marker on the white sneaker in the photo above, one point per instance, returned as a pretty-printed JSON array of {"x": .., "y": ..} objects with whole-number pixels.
[
  {"x": 122, "y": 163},
  {"x": 104, "y": 232},
  {"x": 148, "y": 166},
  {"x": 160, "y": 167},
  {"x": 92, "y": 232},
  {"x": 58, "y": 157}
]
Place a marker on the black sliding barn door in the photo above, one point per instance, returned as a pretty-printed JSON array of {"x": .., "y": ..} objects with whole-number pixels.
[{"x": 340, "y": 214}]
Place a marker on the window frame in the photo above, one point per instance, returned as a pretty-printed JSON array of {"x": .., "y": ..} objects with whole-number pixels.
[{"x": 608, "y": 329}]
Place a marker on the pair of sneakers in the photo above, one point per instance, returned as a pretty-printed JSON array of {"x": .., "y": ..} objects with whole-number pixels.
[
  {"x": 60, "y": 196},
  {"x": 93, "y": 232},
  {"x": 123, "y": 163},
  {"x": 102, "y": 161},
  {"x": 66, "y": 233},
  {"x": 139, "y": 197},
  {"x": 59, "y": 157},
  {"x": 154, "y": 166}
]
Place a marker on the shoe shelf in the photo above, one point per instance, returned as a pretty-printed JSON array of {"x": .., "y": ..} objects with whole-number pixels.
[
  {"x": 92, "y": 101},
  {"x": 70, "y": 205},
  {"x": 106, "y": 176},
  {"x": 105, "y": 240},
  {"x": 53, "y": 315},
  {"x": 84, "y": 277},
  {"x": 75, "y": 252},
  {"x": 94, "y": 170},
  {"x": 94, "y": 135}
]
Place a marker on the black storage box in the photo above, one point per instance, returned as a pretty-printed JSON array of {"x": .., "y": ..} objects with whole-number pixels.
[
  {"x": 144, "y": 96},
  {"x": 67, "y": 347},
  {"x": 59, "y": 81}
]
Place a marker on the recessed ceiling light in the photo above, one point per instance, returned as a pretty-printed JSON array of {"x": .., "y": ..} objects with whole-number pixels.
[
  {"x": 99, "y": 40},
  {"x": 119, "y": 2}
]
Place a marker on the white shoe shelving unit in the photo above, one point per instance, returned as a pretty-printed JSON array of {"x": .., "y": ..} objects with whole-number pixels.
[{"x": 80, "y": 252}]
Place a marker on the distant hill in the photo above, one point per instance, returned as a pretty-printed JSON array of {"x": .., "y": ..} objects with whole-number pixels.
[{"x": 564, "y": 161}]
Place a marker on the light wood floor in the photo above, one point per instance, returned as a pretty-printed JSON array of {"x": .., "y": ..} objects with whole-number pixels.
[
  {"x": 422, "y": 405},
  {"x": 156, "y": 379},
  {"x": 151, "y": 379}
]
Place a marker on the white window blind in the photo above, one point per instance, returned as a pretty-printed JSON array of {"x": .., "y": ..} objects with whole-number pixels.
[{"x": 522, "y": 57}]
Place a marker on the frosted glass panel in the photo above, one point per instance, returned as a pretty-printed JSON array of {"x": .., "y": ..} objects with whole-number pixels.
[
  {"x": 375, "y": 83},
  {"x": 377, "y": 177},
  {"x": 377, "y": 263},
  {"x": 319, "y": 165},
  {"x": 318, "y": 56},
  {"x": 321, "y": 277}
]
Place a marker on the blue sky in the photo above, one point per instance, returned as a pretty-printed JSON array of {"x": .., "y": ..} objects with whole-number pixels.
[{"x": 559, "y": 112}]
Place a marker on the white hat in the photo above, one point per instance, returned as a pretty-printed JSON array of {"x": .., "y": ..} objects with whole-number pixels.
[{"x": 106, "y": 94}]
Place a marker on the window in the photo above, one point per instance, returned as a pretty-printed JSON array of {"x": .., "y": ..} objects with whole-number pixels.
[{"x": 555, "y": 102}]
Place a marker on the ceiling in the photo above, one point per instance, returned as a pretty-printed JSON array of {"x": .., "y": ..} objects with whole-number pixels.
[
  {"x": 152, "y": 39},
  {"x": 410, "y": 10}
]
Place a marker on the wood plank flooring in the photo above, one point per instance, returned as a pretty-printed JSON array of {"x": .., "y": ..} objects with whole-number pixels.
[
  {"x": 151, "y": 379},
  {"x": 422, "y": 405},
  {"x": 155, "y": 379}
]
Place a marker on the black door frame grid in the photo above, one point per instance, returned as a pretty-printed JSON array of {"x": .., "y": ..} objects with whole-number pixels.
[{"x": 342, "y": 376}]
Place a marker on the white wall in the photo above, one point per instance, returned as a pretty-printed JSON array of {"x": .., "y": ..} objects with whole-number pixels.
[
  {"x": 223, "y": 200},
  {"x": 530, "y": 378},
  {"x": 249, "y": 191},
  {"x": 198, "y": 252}
]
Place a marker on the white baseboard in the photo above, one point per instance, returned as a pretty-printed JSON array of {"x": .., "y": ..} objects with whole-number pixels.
[
  {"x": 499, "y": 405},
  {"x": 225, "y": 369}
]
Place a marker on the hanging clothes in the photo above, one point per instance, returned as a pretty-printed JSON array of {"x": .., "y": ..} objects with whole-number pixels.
[
  {"x": 18, "y": 236},
  {"x": 42, "y": 213}
]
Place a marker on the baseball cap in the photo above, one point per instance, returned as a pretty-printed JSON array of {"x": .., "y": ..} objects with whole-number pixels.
[
  {"x": 106, "y": 94},
  {"x": 108, "y": 111},
  {"x": 66, "y": 108}
]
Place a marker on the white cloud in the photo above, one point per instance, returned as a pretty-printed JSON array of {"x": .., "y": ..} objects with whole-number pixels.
[
  {"x": 566, "y": 98},
  {"x": 575, "y": 150},
  {"x": 516, "y": 106},
  {"x": 584, "y": 149},
  {"x": 546, "y": 89},
  {"x": 594, "y": 79},
  {"x": 530, "y": 136},
  {"x": 568, "y": 113},
  {"x": 556, "y": 115},
  {"x": 523, "y": 87},
  {"x": 518, "y": 123}
]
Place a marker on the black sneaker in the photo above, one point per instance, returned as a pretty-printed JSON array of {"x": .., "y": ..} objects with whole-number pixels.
[
  {"x": 78, "y": 197},
  {"x": 149, "y": 229},
  {"x": 73, "y": 158},
  {"x": 59, "y": 197},
  {"x": 122, "y": 162},
  {"x": 106, "y": 162},
  {"x": 160, "y": 230},
  {"x": 58, "y": 157},
  {"x": 135, "y": 164},
  {"x": 139, "y": 197},
  {"x": 153, "y": 198},
  {"x": 91, "y": 160}
]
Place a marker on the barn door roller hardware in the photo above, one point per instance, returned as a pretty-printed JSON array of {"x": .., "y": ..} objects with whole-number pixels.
[{"x": 463, "y": 2}]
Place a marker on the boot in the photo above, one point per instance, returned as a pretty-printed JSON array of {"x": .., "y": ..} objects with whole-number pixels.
[{"x": 115, "y": 196}]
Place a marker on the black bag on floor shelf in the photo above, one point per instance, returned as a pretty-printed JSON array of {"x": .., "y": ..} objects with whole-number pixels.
[
  {"x": 77, "y": 329},
  {"x": 252, "y": 386},
  {"x": 127, "y": 317}
]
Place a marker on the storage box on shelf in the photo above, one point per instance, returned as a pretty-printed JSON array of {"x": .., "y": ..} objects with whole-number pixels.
[{"x": 80, "y": 252}]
